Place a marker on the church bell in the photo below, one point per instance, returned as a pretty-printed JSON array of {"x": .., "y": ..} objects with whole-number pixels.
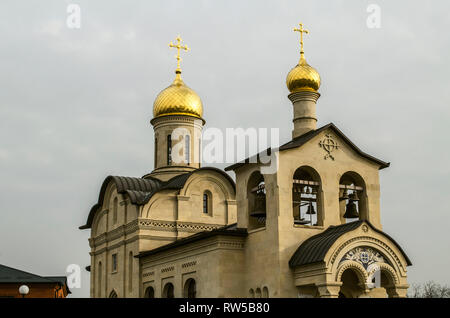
[
  {"x": 260, "y": 206},
  {"x": 310, "y": 209},
  {"x": 351, "y": 212}
]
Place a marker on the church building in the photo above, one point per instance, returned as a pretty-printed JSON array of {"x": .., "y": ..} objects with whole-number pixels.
[{"x": 309, "y": 228}]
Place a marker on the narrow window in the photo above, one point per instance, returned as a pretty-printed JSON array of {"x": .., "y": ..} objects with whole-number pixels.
[
  {"x": 187, "y": 149},
  {"x": 169, "y": 149},
  {"x": 207, "y": 202},
  {"x": 114, "y": 262}
]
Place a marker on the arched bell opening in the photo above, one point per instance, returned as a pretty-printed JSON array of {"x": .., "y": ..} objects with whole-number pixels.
[
  {"x": 256, "y": 195},
  {"x": 352, "y": 198},
  {"x": 307, "y": 197}
]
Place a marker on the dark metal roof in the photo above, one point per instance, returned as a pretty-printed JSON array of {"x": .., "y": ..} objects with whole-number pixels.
[
  {"x": 13, "y": 275},
  {"x": 314, "y": 249},
  {"x": 301, "y": 140},
  {"x": 229, "y": 230},
  {"x": 140, "y": 190}
]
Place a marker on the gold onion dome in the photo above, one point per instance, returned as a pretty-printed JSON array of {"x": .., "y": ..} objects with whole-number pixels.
[
  {"x": 178, "y": 99},
  {"x": 302, "y": 76}
]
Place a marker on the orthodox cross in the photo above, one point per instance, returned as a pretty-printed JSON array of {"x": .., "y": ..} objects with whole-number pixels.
[
  {"x": 301, "y": 31},
  {"x": 179, "y": 47},
  {"x": 329, "y": 145}
]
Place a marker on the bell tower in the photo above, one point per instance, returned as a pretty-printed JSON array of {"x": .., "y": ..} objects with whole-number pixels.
[
  {"x": 177, "y": 124},
  {"x": 303, "y": 81}
]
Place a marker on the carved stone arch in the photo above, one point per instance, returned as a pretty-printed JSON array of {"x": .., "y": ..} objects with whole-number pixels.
[
  {"x": 392, "y": 274},
  {"x": 382, "y": 247},
  {"x": 356, "y": 267}
]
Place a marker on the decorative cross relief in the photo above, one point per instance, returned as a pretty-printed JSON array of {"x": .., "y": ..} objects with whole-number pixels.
[
  {"x": 365, "y": 256},
  {"x": 329, "y": 145}
]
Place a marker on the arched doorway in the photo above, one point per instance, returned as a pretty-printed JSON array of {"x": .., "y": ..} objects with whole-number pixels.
[{"x": 351, "y": 284}]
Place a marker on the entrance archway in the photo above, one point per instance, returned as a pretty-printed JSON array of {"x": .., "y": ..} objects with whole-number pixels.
[{"x": 351, "y": 284}]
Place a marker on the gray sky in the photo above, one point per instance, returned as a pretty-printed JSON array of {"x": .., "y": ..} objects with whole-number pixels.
[{"x": 75, "y": 105}]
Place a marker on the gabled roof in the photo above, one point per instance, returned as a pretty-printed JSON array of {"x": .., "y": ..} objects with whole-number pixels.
[
  {"x": 228, "y": 230},
  {"x": 13, "y": 275},
  {"x": 140, "y": 190},
  {"x": 301, "y": 140},
  {"x": 314, "y": 249}
]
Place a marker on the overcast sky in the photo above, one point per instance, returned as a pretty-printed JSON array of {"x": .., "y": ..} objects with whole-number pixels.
[{"x": 75, "y": 105}]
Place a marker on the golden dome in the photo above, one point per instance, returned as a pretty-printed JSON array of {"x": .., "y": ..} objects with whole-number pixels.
[
  {"x": 178, "y": 99},
  {"x": 303, "y": 77}
]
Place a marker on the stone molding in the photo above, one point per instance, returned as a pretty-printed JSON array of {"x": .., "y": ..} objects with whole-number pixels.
[{"x": 376, "y": 241}]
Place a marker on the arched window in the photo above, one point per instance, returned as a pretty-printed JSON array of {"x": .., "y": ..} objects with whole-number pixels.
[
  {"x": 207, "y": 202},
  {"x": 99, "y": 280},
  {"x": 168, "y": 291},
  {"x": 306, "y": 197},
  {"x": 352, "y": 197},
  {"x": 115, "y": 206},
  {"x": 130, "y": 272},
  {"x": 169, "y": 149},
  {"x": 265, "y": 292},
  {"x": 190, "y": 289},
  {"x": 187, "y": 149},
  {"x": 256, "y": 195},
  {"x": 251, "y": 293},
  {"x": 113, "y": 294},
  {"x": 258, "y": 293},
  {"x": 149, "y": 292}
]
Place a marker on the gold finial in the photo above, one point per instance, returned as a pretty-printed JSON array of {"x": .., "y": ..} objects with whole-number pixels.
[
  {"x": 301, "y": 31},
  {"x": 179, "y": 47}
]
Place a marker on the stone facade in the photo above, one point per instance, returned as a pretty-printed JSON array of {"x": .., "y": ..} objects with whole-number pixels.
[{"x": 187, "y": 231}]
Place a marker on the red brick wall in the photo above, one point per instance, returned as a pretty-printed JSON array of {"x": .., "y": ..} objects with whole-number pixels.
[{"x": 36, "y": 290}]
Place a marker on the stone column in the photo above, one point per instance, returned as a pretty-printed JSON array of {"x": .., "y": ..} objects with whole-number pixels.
[
  {"x": 397, "y": 291},
  {"x": 330, "y": 290},
  {"x": 305, "y": 119}
]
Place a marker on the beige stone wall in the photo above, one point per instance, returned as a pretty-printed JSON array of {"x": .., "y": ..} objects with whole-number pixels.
[
  {"x": 216, "y": 265},
  {"x": 122, "y": 228},
  {"x": 275, "y": 244}
]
